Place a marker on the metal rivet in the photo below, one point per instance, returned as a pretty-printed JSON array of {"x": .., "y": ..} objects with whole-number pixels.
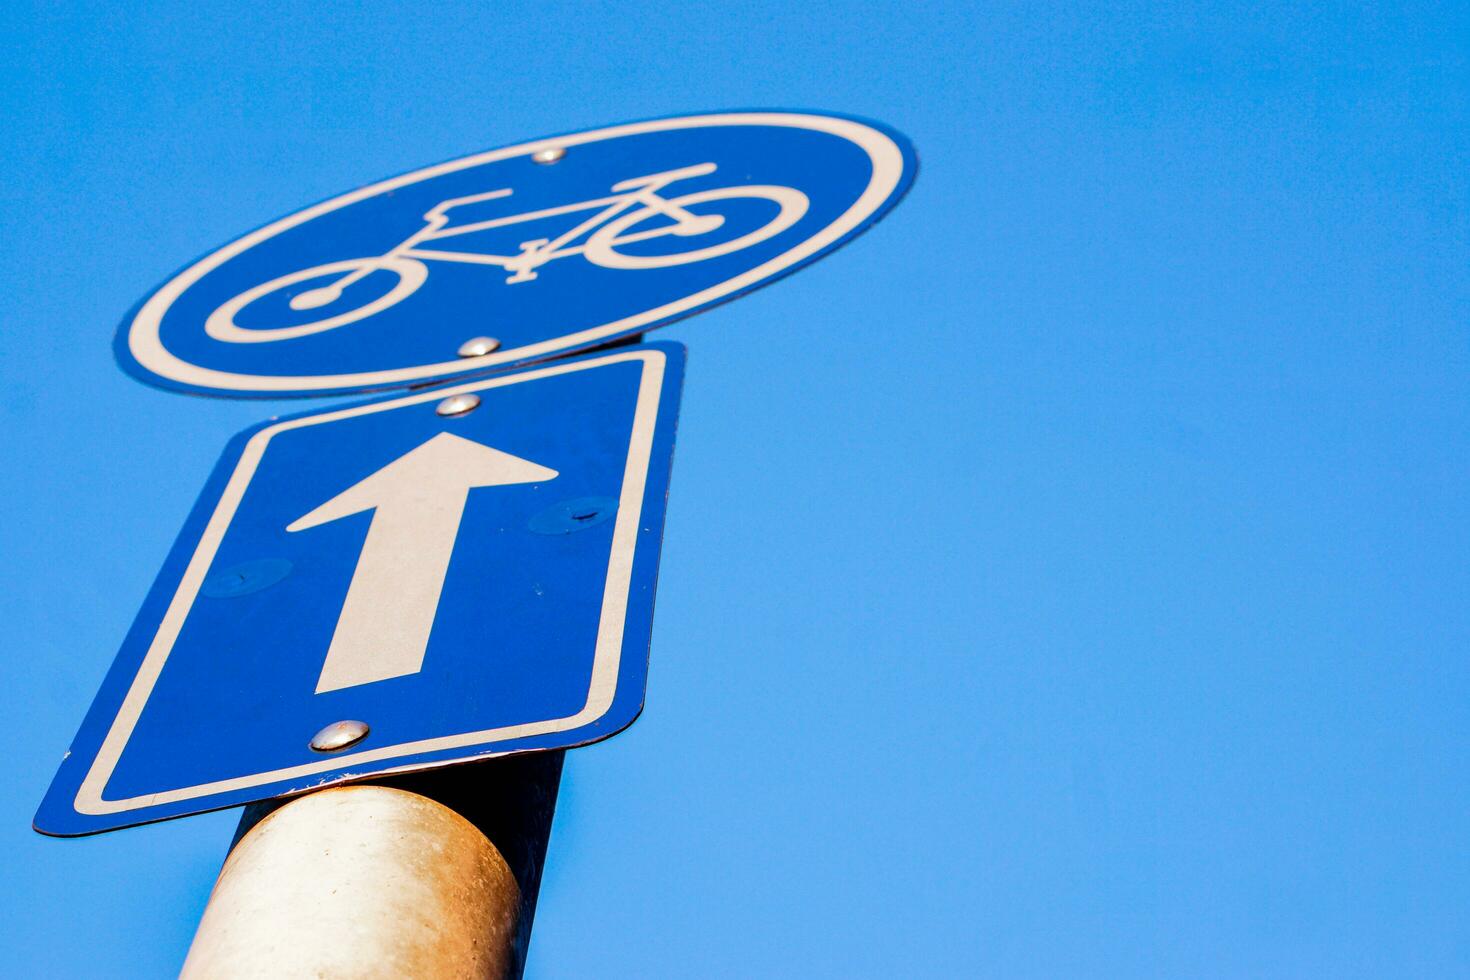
[
  {"x": 478, "y": 346},
  {"x": 339, "y": 735},
  {"x": 458, "y": 404},
  {"x": 549, "y": 155}
]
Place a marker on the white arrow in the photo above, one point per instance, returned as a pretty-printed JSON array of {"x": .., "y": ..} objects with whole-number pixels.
[{"x": 417, "y": 501}]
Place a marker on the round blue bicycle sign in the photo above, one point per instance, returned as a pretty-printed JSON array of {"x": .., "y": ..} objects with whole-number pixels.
[{"x": 516, "y": 254}]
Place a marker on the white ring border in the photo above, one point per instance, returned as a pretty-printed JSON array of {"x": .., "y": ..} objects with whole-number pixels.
[
  {"x": 606, "y": 659},
  {"x": 146, "y": 346}
]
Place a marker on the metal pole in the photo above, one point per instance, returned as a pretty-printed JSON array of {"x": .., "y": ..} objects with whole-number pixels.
[{"x": 429, "y": 875}]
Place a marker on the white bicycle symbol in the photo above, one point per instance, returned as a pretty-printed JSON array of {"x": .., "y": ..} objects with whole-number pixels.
[{"x": 604, "y": 231}]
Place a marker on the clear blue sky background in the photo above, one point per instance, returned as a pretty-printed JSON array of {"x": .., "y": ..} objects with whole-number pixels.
[{"x": 1068, "y": 578}]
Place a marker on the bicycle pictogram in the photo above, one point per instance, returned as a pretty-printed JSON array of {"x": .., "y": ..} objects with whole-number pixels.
[{"x": 598, "y": 239}]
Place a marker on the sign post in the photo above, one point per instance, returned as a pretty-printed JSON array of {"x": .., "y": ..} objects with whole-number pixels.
[
  {"x": 460, "y": 572},
  {"x": 324, "y": 887},
  {"x": 355, "y": 857}
]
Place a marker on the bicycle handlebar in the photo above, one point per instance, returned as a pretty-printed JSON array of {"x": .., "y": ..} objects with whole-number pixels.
[{"x": 667, "y": 177}]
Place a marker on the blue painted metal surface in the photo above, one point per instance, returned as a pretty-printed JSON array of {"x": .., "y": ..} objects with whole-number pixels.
[
  {"x": 614, "y": 232},
  {"x": 540, "y": 628}
]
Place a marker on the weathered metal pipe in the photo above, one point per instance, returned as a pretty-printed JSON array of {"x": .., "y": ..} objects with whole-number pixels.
[{"x": 359, "y": 882}]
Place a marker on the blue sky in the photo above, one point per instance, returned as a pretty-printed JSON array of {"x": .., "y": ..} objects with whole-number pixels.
[{"x": 1066, "y": 579}]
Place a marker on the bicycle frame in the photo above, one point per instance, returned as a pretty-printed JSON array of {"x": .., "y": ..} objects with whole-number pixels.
[
  {"x": 637, "y": 191},
  {"x": 596, "y": 238}
]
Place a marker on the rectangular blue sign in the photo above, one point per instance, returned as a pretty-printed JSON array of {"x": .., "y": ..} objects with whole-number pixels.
[{"x": 393, "y": 585}]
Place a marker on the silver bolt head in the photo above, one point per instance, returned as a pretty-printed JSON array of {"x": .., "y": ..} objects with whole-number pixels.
[
  {"x": 549, "y": 155},
  {"x": 478, "y": 346},
  {"x": 458, "y": 405},
  {"x": 338, "y": 735}
]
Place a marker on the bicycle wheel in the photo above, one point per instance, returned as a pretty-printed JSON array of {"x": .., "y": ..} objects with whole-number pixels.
[
  {"x": 410, "y": 274},
  {"x": 601, "y": 248}
]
